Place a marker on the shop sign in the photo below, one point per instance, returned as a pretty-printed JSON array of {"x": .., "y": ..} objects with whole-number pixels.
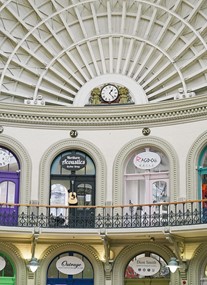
[
  {"x": 2, "y": 263},
  {"x": 70, "y": 265},
  {"x": 147, "y": 160},
  {"x": 73, "y": 162},
  {"x": 145, "y": 266}
]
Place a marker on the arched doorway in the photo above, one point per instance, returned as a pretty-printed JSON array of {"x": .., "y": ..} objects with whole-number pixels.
[
  {"x": 146, "y": 179},
  {"x": 147, "y": 268},
  {"x": 9, "y": 187},
  {"x": 72, "y": 181},
  {"x": 202, "y": 170},
  {"x": 62, "y": 270}
]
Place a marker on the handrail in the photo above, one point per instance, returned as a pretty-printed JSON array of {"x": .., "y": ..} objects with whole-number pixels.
[
  {"x": 189, "y": 212},
  {"x": 103, "y": 206}
]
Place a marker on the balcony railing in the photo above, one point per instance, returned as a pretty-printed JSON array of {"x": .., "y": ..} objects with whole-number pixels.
[{"x": 117, "y": 216}]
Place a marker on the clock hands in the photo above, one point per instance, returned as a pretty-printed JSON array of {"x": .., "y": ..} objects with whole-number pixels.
[
  {"x": 109, "y": 93},
  {"x": 112, "y": 95}
]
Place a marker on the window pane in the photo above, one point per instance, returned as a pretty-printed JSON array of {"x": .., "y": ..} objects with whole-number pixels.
[
  {"x": 7, "y": 192},
  {"x": 204, "y": 159},
  {"x": 8, "y": 162},
  {"x": 3, "y": 191},
  {"x": 52, "y": 271},
  {"x": 8, "y": 269},
  {"x": 88, "y": 271},
  {"x": 84, "y": 194},
  {"x": 11, "y": 192},
  {"x": 59, "y": 196},
  {"x": 159, "y": 189}
]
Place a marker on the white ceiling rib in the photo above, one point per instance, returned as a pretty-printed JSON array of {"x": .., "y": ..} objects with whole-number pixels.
[{"x": 53, "y": 48}]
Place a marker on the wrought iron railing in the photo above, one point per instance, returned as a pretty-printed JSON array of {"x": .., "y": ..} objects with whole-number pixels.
[{"x": 117, "y": 216}]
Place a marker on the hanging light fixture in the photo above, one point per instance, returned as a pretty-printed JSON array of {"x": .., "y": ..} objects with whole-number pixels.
[
  {"x": 33, "y": 264},
  {"x": 173, "y": 264}
]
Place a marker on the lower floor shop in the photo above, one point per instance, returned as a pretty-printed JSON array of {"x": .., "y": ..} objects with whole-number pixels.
[{"x": 102, "y": 261}]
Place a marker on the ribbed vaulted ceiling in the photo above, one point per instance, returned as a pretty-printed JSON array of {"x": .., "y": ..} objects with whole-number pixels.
[{"x": 52, "y": 49}]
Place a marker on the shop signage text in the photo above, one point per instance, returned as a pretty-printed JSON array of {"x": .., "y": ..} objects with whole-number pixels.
[
  {"x": 145, "y": 266},
  {"x": 147, "y": 160},
  {"x": 70, "y": 265},
  {"x": 73, "y": 162}
]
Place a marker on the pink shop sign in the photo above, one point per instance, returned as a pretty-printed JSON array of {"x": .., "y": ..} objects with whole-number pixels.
[{"x": 147, "y": 160}]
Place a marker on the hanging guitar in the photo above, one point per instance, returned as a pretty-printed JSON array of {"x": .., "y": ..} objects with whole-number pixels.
[{"x": 72, "y": 199}]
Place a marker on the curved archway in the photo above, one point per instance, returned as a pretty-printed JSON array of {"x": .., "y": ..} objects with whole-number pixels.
[
  {"x": 85, "y": 250},
  {"x": 72, "y": 268},
  {"x": 15, "y": 257},
  {"x": 197, "y": 265},
  {"x": 135, "y": 145},
  {"x": 25, "y": 161},
  {"x": 130, "y": 251},
  {"x": 70, "y": 144}
]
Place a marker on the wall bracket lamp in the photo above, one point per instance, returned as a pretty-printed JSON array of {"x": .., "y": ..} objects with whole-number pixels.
[
  {"x": 173, "y": 264},
  {"x": 33, "y": 264}
]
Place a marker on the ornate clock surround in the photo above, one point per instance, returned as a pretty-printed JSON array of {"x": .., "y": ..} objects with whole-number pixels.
[{"x": 110, "y": 94}]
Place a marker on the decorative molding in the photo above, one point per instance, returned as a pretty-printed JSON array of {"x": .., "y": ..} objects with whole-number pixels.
[
  {"x": 25, "y": 165},
  {"x": 68, "y": 144},
  {"x": 175, "y": 112},
  {"x": 57, "y": 249},
  {"x": 131, "y": 251},
  {"x": 134, "y": 145}
]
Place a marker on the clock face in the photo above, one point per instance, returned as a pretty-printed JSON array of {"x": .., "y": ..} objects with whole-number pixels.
[
  {"x": 4, "y": 158},
  {"x": 109, "y": 93}
]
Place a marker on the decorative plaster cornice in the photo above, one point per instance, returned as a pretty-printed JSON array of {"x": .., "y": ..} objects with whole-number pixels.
[{"x": 174, "y": 112}]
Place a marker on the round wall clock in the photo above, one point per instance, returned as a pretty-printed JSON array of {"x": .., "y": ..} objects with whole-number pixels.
[{"x": 109, "y": 93}]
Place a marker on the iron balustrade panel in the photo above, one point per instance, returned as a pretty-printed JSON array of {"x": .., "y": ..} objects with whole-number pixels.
[{"x": 136, "y": 216}]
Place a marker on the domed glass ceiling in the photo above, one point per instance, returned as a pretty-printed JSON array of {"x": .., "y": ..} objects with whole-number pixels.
[{"x": 50, "y": 50}]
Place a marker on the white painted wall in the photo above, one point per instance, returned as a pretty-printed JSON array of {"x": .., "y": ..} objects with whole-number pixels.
[{"x": 109, "y": 142}]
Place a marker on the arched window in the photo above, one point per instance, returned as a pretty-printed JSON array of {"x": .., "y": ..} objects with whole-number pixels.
[
  {"x": 147, "y": 266},
  {"x": 7, "y": 273},
  {"x": 202, "y": 179},
  {"x": 73, "y": 182},
  {"x": 9, "y": 186},
  {"x": 70, "y": 268},
  {"x": 146, "y": 177}
]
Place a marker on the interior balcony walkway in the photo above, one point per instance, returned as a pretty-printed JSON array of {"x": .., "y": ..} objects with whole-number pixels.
[{"x": 170, "y": 214}]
